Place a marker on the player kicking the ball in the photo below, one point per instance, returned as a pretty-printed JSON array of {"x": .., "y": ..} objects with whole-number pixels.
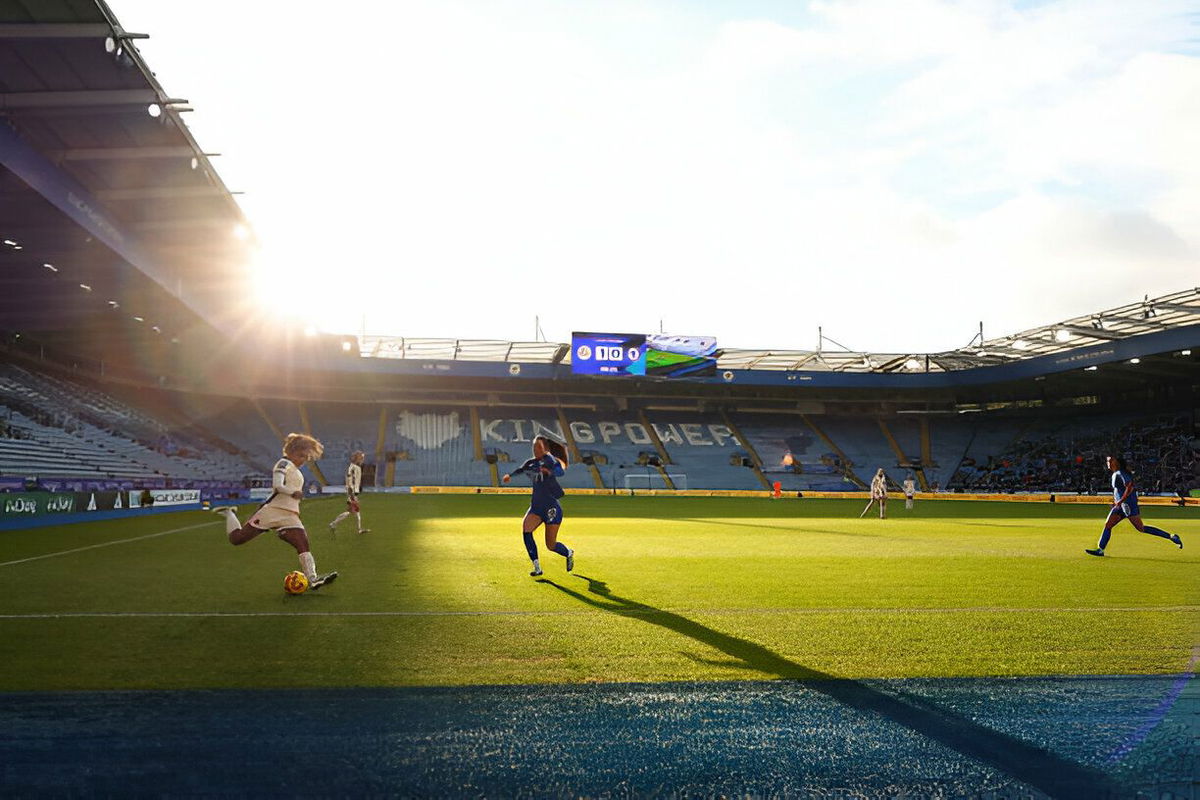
[
  {"x": 549, "y": 463},
  {"x": 353, "y": 488},
  {"x": 281, "y": 512}
]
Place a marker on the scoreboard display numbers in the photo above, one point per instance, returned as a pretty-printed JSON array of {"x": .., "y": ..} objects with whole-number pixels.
[{"x": 608, "y": 353}]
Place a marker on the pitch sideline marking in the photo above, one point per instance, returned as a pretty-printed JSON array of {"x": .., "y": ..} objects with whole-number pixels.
[
  {"x": 648, "y": 612},
  {"x": 105, "y": 544}
]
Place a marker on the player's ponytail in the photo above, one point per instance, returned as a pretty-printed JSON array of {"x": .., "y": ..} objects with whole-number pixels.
[{"x": 556, "y": 449}]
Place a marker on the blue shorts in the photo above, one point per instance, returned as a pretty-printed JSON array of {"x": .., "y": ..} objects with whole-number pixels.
[{"x": 551, "y": 513}]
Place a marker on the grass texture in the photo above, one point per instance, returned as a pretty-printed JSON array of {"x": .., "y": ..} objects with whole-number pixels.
[{"x": 665, "y": 589}]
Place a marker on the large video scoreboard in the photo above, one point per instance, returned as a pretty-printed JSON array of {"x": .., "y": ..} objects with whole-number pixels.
[{"x": 654, "y": 355}]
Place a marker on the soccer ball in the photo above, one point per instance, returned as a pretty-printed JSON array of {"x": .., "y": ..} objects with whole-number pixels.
[{"x": 295, "y": 582}]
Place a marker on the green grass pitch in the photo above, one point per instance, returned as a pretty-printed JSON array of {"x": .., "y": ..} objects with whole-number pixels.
[{"x": 665, "y": 589}]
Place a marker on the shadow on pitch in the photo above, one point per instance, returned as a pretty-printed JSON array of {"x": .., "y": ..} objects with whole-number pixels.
[
  {"x": 1032, "y": 765},
  {"x": 785, "y": 528}
]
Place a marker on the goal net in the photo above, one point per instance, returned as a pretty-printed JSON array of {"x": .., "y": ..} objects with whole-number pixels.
[{"x": 654, "y": 480}]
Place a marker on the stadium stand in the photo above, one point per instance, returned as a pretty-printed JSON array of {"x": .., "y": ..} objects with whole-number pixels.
[
  {"x": 1061, "y": 455},
  {"x": 67, "y": 429},
  {"x": 816, "y": 467}
]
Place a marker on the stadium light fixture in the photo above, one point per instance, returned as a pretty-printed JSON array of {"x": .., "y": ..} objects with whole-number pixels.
[
  {"x": 10, "y": 243},
  {"x": 85, "y": 287},
  {"x": 154, "y": 110},
  {"x": 50, "y": 267},
  {"x": 345, "y": 347},
  {"x": 1135, "y": 361},
  {"x": 1092, "y": 368},
  {"x": 139, "y": 319},
  {"x": 912, "y": 363},
  {"x": 1062, "y": 335},
  {"x": 1020, "y": 344},
  {"x": 114, "y": 304},
  {"x": 1185, "y": 352}
]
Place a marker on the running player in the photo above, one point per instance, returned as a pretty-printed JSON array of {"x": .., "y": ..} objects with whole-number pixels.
[
  {"x": 878, "y": 495},
  {"x": 1125, "y": 506},
  {"x": 353, "y": 488},
  {"x": 549, "y": 463},
  {"x": 910, "y": 489},
  {"x": 281, "y": 512}
]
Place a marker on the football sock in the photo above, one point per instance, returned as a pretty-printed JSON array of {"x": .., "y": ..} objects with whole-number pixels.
[
  {"x": 358, "y": 519},
  {"x": 1153, "y": 531},
  {"x": 561, "y": 549},
  {"x": 530, "y": 546},
  {"x": 308, "y": 566},
  {"x": 231, "y": 522},
  {"x": 1104, "y": 538},
  {"x": 340, "y": 517}
]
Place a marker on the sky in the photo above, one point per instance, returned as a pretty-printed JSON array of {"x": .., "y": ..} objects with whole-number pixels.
[{"x": 894, "y": 173}]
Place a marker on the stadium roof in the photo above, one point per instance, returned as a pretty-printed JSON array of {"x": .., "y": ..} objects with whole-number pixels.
[
  {"x": 108, "y": 206},
  {"x": 1150, "y": 315}
]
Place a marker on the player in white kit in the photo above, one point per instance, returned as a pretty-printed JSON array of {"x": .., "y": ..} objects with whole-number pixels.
[
  {"x": 878, "y": 494},
  {"x": 353, "y": 489},
  {"x": 281, "y": 511},
  {"x": 910, "y": 489}
]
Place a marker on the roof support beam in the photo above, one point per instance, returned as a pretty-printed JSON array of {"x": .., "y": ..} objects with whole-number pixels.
[
  {"x": 84, "y": 98},
  {"x": 1095, "y": 333},
  {"x": 160, "y": 193},
  {"x": 124, "y": 153},
  {"x": 55, "y": 30}
]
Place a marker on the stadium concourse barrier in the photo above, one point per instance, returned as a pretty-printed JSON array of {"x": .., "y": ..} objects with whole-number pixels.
[{"x": 1045, "y": 497}]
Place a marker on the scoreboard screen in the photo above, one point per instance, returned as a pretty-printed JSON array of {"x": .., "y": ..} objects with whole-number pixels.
[
  {"x": 655, "y": 355},
  {"x": 608, "y": 353}
]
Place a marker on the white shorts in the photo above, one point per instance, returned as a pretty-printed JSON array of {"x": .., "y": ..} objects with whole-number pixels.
[
  {"x": 879, "y": 495},
  {"x": 270, "y": 518}
]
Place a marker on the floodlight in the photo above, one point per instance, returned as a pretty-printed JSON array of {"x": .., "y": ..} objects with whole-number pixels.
[
  {"x": 50, "y": 267},
  {"x": 1092, "y": 368},
  {"x": 110, "y": 44},
  {"x": 1062, "y": 335},
  {"x": 85, "y": 287},
  {"x": 139, "y": 319},
  {"x": 1185, "y": 352},
  {"x": 1135, "y": 361},
  {"x": 154, "y": 110}
]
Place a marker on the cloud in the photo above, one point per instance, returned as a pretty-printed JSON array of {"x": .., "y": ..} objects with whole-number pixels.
[{"x": 893, "y": 172}]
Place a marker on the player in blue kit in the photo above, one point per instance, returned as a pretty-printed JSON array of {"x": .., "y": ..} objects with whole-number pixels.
[
  {"x": 549, "y": 463},
  {"x": 1125, "y": 506}
]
